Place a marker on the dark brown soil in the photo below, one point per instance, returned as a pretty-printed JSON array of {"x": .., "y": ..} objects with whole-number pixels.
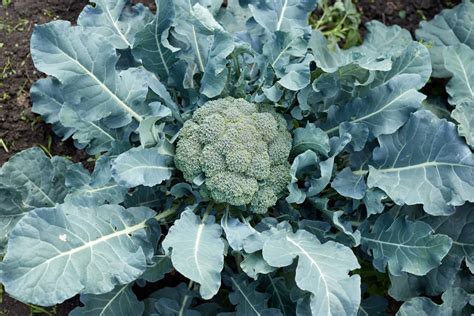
[
  {"x": 406, "y": 13},
  {"x": 21, "y": 129}
]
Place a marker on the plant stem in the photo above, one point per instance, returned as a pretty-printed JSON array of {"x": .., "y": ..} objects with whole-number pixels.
[
  {"x": 208, "y": 210},
  {"x": 360, "y": 172},
  {"x": 165, "y": 214}
]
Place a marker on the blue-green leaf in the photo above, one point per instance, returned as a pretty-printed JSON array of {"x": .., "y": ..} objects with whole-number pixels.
[
  {"x": 459, "y": 61},
  {"x": 280, "y": 294},
  {"x": 95, "y": 137},
  {"x": 383, "y": 110},
  {"x": 322, "y": 270},
  {"x": 71, "y": 54},
  {"x": 120, "y": 301},
  {"x": 150, "y": 41},
  {"x": 310, "y": 138},
  {"x": 414, "y": 60},
  {"x": 197, "y": 251},
  {"x": 380, "y": 45},
  {"x": 282, "y": 15},
  {"x": 373, "y": 201},
  {"x": 142, "y": 166},
  {"x": 98, "y": 188},
  {"x": 47, "y": 98},
  {"x": 117, "y": 20},
  {"x": 464, "y": 115},
  {"x": 171, "y": 301},
  {"x": 404, "y": 246},
  {"x": 156, "y": 271},
  {"x": 12, "y": 209},
  {"x": 248, "y": 300},
  {"x": 254, "y": 264},
  {"x": 459, "y": 227},
  {"x": 449, "y": 28},
  {"x": 425, "y": 162},
  {"x": 216, "y": 70},
  {"x": 75, "y": 249},
  {"x": 236, "y": 231},
  {"x": 346, "y": 183},
  {"x": 456, "y": 302},
  {"x": 406, "y": 286},
  {"x": 373, "y": 306},
  {"x": 38, "y": 179},
  {"x": 305, "y": 166}
]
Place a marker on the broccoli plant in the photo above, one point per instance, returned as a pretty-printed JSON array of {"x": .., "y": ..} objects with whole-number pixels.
[{"x": 244, "y": 164}]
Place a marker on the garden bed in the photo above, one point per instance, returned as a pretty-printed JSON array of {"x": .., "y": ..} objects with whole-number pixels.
[{"x": 21, "y": 129}]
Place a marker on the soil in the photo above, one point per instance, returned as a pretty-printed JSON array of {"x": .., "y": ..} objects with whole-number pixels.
[
  {"x": 21, "y": 129},
  {"x": 406, "y": 13}
]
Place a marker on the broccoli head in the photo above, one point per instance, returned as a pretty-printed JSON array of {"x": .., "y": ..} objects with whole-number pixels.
[{"x": 240, "y": 148}]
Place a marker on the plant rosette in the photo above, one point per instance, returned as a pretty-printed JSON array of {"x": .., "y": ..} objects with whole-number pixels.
[{"x": 237, "y": 146}]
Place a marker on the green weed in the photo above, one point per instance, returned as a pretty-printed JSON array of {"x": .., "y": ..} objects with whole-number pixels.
[
  {"x": 339, "y": 21},
  {"x": 6, "y": 3}
]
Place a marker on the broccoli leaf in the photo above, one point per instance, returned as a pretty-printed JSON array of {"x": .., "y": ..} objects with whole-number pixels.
[
  {"x": 449, "y": 28},
  {"x": 47, "y": 98},
  {"x": 404, "y": 246},
  {"x": 456, "y": 302},
  {"x": 171, "y": 301},
  {"x": 322, "y": 270},
  {"x": 70, "y": 54},
  {"x": 459, "y": 60},
  {"x": 142, "y": 166},
  {"x": 117, "y": 20},
  {"x": 150, "y": 44},
  {"x": 459, "y": 227},
  {"x": 282, "y": 15},
  {"x": 197, "y": 251},
  {"x": 248, "y": 300},
  {"x": 424, "y": 162},
  {"x": 464, "y": 115},
  {"x": 38, "y": 179},
  {"x": 75, "y": 249},
  {"x": 383, "y": 110},
  {"x": 120, "y": 301}
]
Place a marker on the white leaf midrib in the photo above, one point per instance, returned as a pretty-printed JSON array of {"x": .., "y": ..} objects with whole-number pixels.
[
  {"x": 422, "y": 165},
  {"x": 159, "y": 46},
  {"x": 114, "y": 24},
  {"x": 283, "y": 11},
  {"x": 112, "y": 299},
  {"x": 245, "y": 296},
  {"x": 307, "y": 255},
  {"x": 332, "y": 130},
  {"x": 120, "y": 102},
  {"x": 40, "y": 190},
  {"x": 461, "y": 65},
  {"x": 197, "y": 243},
  {"x": 90, "y": 244},
  {"x": 398, "y": 245}
]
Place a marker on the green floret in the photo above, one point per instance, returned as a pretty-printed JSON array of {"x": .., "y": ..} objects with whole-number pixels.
[
  {"x": 211, "y": 128},
  {"x": 263, "y": 199},
  {"x": 279, "y": 149},
  {"x": 279, "y": 178},
  {"x": 240, "y": 149},
  {"x": 229, "y": 186},
  {"x": 260, "y": 166},
  {"x": 238, "y": 160},
  {"x": 187, "y": 158},
  {"x": 266, "y": 125},
  {"x": 212, "y": 161}
]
